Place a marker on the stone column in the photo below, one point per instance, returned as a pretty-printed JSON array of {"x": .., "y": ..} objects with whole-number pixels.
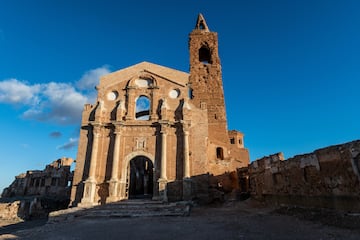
[
  {"x": 163, "y": 177},
  {"x": 186, "y": 154},
  {"x": 90, "y": 183},
  {"x": 94, "y": 153},
  {"x": 114, "y": 181},
  {"x": 163, "y": 154},
  {"x": 186, "y": 164}
]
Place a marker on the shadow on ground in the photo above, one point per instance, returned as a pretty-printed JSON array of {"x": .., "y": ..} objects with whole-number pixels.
[{"x": 14, "y": 227}]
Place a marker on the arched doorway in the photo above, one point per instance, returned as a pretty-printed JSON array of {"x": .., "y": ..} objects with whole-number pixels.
[{"x": 140, "y": 178}]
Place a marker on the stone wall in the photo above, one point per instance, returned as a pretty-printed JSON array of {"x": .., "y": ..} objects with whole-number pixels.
[
  {"x": 54, "y": 181},
  {"x": 326, "y": 178},
  {"x": 36, "y": 193},
  {"x": 10, "y": 211},
  {"x": 31, "y": 207}
]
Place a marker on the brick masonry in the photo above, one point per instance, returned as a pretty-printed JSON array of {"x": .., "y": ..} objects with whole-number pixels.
[{"x": 328, "y": 177}]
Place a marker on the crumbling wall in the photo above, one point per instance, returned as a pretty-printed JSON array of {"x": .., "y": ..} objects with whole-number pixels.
[
  {"x": 10, "y": 211},
  {"x": 29, "y": 207},
  {"x": 54, "y": 181},
  {"x": 326, "y": 178},
  {"x": 36, "y": 193}
]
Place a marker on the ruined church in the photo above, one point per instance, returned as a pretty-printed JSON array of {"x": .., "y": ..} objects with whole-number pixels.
[{"x": 156, "y": 132}]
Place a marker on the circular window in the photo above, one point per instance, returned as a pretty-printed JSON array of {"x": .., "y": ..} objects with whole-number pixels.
[
  {"x": 111, "y": 96},
  {"x": 174, "y": 93}
]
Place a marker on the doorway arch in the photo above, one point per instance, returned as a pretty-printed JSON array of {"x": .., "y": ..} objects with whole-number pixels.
[{"x": 140, "y": 178}]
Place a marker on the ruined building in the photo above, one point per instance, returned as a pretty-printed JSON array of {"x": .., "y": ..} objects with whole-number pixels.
[
  {"x": 326, "y": 178},
  {"x": 54, "y": 181},
  {"x": 157, "y": 132},
  {"x": 37, "y": 192}
]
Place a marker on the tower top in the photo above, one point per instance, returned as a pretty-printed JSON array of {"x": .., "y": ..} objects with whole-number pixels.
[{"x": 201, "y": 24}]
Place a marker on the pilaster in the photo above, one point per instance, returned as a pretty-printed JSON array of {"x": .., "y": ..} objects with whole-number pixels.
[
  {"x": 163, "y": 151},
  {"x": 114, "y": 181},
  {"x": 163, "y": 176},
  {"x": 186, "y": 150},
  {"x": 90, "y": 183}
]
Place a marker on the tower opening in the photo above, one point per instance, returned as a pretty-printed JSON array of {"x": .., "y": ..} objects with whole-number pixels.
[
  {"x": 204, "y": 55},
  {"x": 201, "y": 25}
]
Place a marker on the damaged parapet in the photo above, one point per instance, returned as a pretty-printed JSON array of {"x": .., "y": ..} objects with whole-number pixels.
[
  {"x": 54, "y": 181},
  {"x": 326, "y": 178}
]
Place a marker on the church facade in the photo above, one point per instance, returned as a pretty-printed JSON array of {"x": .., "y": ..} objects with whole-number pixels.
[{"x": 155, "y": 131}]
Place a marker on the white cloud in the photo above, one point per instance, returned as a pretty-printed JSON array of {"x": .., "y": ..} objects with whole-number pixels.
[
  {"x": 59, "y": 103},
  {"x": 14, "y": 91},
  {"x": 90, "y": 79},
  {"x": 72, "y": 143}
]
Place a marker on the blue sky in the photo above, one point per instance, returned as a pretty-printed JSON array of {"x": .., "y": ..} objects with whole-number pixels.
[{"x": 291, "y": 68}]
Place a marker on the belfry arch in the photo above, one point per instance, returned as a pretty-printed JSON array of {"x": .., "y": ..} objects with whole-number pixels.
[{"x": 205, "y": 54}]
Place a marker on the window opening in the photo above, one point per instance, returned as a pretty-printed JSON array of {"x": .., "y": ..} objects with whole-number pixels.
[
  {"x": 275, "y": 178},
  {"x": 42, "y": 182},
  {"x": 53, "y": 181},
  {"x": 37, "y": 182},
  {"x": 204, "y": 55},
  {"x": 219, "y": 153},
  {"x": 142, "y": 111},
  {"x": 190, "y": 93},
  {"x": 232, "y": 140},
  {"x": 305, "y": 174}
]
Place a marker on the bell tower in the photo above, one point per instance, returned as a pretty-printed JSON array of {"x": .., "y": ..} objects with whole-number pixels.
[{"x": 205, "y": 81}]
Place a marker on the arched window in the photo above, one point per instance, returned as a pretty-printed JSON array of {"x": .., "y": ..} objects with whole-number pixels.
[
  {"x": 204, "y": 55},
  {"x": 219, "y": 153},
  {"x": 142, "y": 111}
]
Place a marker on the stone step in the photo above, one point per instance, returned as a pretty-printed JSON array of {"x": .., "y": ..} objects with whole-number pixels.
[
  {"x": 133, "y": 203},
  {"x": 127, "y": 208}
]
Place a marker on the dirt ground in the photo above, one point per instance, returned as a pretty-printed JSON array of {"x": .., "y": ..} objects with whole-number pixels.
[{"x": 233, "y": 220}]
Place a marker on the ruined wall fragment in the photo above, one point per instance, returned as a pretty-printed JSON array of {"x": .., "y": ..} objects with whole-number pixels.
[{"x": 327, "y": 177}]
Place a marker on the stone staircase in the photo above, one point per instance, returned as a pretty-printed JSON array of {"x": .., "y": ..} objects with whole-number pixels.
[{"x": 127, "y": 208}]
